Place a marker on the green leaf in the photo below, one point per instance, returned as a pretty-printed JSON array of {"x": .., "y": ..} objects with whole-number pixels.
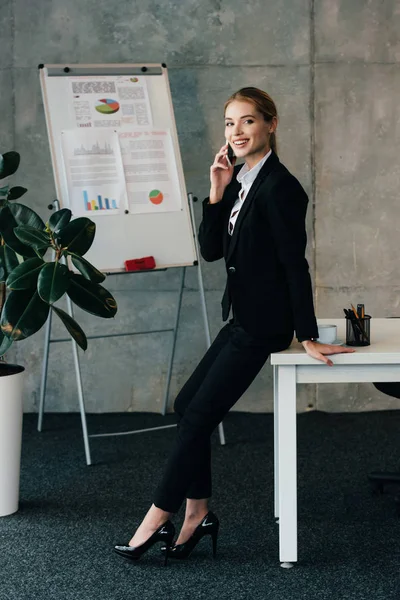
[
  {"x": 53, "y": 281},
  {"x": 9, "y": 163},
  {"x": 12, "y": 216},
  {"x": 30, "y": 236},
  {"x": 26, "y": 216},
  {"x": 24, "y": 313},
  {"x": 25, "y": 275},
  {"x": 77, "y": 236},
  {"x": 60, "y": 219},
  {"x": 5, "y": 343},
  {"x": 10, "y": 258},
  {"x": 92, "y": 297},
  {"x": 4, "y": 190},
  {"x": 74, "y": 329},
  {"x": 88, "y": 271},
  {"x": 16, "y": 192},
  {"x": 8, "y": 262}
]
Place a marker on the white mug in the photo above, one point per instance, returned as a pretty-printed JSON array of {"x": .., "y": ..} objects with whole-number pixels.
[{"x": 327, "y": 334}]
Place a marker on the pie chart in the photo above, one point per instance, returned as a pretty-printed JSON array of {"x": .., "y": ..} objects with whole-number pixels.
[
  {"x": 156, "y": 197},
  {"x": 107, "y": 106}
]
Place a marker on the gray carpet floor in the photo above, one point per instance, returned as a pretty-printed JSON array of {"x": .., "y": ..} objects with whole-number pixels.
[{"x": 59, "y": 545}]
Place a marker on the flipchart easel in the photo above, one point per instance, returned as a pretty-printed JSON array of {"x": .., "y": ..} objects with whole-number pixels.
[{"x": 55, "y": 81}]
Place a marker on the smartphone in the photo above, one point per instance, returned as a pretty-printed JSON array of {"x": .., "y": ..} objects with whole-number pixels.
[{"x": 231, "y": 153}]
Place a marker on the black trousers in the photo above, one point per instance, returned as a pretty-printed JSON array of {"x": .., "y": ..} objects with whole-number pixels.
[{"x": 222, "y": 376}]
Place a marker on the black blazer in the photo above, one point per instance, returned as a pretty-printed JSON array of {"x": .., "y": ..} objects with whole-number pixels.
[{"x": 268, "y": 285}]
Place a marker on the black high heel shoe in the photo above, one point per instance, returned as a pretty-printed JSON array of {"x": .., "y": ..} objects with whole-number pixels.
[
  {"x": 208, "y": 526},
  {"x": 165, "y": 534}
]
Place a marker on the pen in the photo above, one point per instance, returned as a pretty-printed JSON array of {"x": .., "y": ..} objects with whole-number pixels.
[
  {"x": 356, "y": 328},
  {"x": 360, "y": 311},
  {"x": 360, "y": 324}
]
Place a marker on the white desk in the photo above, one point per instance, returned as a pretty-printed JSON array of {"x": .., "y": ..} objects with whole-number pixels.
[{"x": 378, "y": 362}]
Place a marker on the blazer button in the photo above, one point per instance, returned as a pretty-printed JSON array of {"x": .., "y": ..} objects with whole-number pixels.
[{"x": 231, "y": 270}]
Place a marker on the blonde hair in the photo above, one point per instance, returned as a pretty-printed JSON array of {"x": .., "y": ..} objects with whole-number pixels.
[{"x": 262, "y": 102}]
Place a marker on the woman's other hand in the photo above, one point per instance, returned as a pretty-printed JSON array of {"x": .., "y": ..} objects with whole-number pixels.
[
  {"x": 319, "y": 351},
  {"x": 221, "y": 172}
]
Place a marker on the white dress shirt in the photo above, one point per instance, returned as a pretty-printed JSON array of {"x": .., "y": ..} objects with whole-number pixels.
[{"x": 246, "y": 179}]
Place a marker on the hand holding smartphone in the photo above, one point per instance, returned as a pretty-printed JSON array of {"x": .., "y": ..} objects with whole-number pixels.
[
  {"x": 221, "y": 172},
  {"x": 231, "y": 155}
]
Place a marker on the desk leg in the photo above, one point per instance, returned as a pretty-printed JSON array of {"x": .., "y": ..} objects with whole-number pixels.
[
  {"x": 276, "y": 459},
  {"x": 287, "y": 465}
]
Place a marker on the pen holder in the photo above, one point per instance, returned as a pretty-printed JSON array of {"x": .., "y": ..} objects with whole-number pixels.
[{"x": 358, "y": 331}]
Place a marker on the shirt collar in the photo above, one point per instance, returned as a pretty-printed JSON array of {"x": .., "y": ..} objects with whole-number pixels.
[{"x": 247, "y": 176}]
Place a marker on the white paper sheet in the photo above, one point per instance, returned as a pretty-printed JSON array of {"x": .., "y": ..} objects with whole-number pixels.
[
  {"x": 151, "y": 175},
  {"x": 110, "y": 101},
  {"x": 94, "y": 172}
]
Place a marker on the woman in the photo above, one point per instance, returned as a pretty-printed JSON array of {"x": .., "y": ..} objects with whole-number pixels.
[{"x": 255, "y": 219}]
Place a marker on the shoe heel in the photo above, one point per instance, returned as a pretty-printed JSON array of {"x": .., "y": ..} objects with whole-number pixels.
[{"x": 168, "y": 546}]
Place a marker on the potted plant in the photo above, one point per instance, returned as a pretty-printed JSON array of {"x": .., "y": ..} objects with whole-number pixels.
[{"x": 35, "y": 273}]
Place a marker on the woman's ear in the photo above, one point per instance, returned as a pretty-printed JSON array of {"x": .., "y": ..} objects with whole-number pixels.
[{"x": 274, "y": 125}]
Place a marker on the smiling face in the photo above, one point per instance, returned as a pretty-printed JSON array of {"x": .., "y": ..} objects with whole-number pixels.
[{"x": 247, "y": 131}]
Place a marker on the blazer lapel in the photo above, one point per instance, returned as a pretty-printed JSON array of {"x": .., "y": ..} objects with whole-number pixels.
[{"x": 266, "y": 169}]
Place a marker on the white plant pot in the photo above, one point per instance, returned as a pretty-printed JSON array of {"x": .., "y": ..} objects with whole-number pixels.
[{"x": 11, "y": 386}]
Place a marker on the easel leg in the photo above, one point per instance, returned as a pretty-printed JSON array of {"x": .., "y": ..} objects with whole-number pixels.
[
  {"x": 175, "y": 333},
  {"x": 47, "y": 341},
  {"x": 80, "y": 391},
  {"x": 45, "y": 365},
  {"x": 204, "y": 305}
]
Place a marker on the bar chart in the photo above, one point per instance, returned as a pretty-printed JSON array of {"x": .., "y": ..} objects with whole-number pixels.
[
  {"x": 95, "y": 150},
  {"x": 99, "y": 203}
]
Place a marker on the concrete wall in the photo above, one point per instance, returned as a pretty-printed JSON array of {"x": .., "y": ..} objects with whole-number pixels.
[{"x": 333, "y": 69}]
